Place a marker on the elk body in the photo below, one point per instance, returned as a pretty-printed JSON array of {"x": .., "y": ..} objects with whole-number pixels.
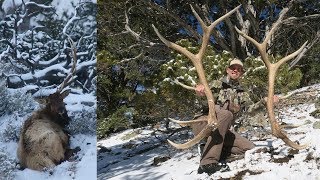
[{"x": 44, "y": 142}]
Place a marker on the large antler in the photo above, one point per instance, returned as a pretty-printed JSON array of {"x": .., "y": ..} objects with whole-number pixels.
[
  {"x": 73, "y": 68},
  {"x": 272, "y": 71},
  {"x": 197, "y": 62}
]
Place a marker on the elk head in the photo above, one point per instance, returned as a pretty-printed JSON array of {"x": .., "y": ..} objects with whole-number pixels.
[
  {"x": 54, "y": 103},
  {"x": 197, "y": 62},
  {"x": 272, "y": 71},
  {"x": 57, "y": 109}
]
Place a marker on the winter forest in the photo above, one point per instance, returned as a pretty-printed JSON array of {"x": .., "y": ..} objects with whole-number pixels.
[
  {"x": 36, "y": 44},
  {"x": 126, "y": 84},
  {"x": 142, "y": 84}
]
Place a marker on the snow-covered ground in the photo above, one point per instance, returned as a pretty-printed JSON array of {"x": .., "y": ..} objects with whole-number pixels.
[
  {"x": 133, "y": 154},
  {"x": 84, "y": 168}
]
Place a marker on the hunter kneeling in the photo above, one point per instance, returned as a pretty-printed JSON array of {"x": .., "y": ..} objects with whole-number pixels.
[{"x": 230, "y": 101}]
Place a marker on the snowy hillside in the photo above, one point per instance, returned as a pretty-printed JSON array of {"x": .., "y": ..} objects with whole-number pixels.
[{"x": 144, "y": 153}]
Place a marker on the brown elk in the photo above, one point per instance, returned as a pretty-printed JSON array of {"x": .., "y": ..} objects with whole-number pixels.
[
  {"x": 44, "y": 142},
  {"x": 197, "y": 62}
]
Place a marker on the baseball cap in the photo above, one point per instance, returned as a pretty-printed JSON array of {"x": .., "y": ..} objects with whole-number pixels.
[{"x": 235, "y": 61}]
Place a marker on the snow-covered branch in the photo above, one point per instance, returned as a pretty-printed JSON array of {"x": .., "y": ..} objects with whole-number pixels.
[
  {"x": 30, "y": 3},
  {"x": 176, "y": 81},
  {"x": 40, "y": 58}
]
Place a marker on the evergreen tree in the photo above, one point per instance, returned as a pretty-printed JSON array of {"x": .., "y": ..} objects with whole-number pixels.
[{"x": 138, "y": 71}]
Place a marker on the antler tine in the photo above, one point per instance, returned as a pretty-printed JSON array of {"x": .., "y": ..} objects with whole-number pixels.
[
  {"x": 212, "y": 25},
  {"x": 73, "y": 68},
  {"x": 292, "y": 55},
  {"x": 275, "y": 25},
  {"x": 261, "y": 47},
  {"x": 175, "y": 46},
  {"x": 202, "y": 24},
  {"x": 224, "y": 16},
  {"x": 187, "y": 123},
  {"x": 207, "y": 30},
  {"x": 253, "y": 41},
  {"x": 183, "y": 85},
  {"x": 204, "y": 133},
  {"x": 280, "y": 134}
]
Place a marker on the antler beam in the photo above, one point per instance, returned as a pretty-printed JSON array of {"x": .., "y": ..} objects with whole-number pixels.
[
  {"x": 73, "y": 68},
  {"x": 272, "y": 71},
  {"x": 197, "y": 62}
]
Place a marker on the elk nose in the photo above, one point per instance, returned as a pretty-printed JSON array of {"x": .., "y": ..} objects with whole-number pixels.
[{"x": 61, "y": 110}]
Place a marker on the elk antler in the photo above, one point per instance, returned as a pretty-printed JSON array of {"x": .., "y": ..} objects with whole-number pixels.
[
  {"x": 73, "y": 68},
  {"x": 197, "y": 62},
  {"x": 272, "y": 71}
]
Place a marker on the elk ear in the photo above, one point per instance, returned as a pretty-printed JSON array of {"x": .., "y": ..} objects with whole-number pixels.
[
  {"x": 65, "y": 93},
  {"x": 41, "y": 100}
]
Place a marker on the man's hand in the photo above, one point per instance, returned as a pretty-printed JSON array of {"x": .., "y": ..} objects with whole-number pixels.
[
  {"x": 200, "y": 90},
  {"x": 275, "y": 99},
  {"x": 234, "y": 108}
]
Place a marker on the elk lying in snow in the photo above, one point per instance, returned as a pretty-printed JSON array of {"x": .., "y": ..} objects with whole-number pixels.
[
  {"x": 197, "y": 62},
  {"x": 44, "y": 142}
]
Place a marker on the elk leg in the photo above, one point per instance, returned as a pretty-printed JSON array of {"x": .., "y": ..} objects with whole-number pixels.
[{"x": 70, "y": 153}]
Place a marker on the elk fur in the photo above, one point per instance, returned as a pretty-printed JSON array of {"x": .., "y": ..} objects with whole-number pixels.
[{"x": 43, "y": 142}]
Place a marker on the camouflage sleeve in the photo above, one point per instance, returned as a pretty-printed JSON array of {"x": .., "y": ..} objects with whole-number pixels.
[
  {"x": 253, "y": 108},
  {"x": 245, "y": 101},
  {"x": 250, "y": 106},
  {"x": 215, "y": 84},
  {"x": 215, "y": 87}
]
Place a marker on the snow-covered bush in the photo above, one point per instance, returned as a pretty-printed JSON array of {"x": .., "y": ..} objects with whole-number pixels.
[
  {"x": 14, "y": 101},
  {"x": 14, "y": 107},
  {"x": 3, "y": 94},
  {"x": 11, "y": 133},
  {"x": 255, "y": 78},
  {"x": 181, "y": 67},
  {"x": 83, "y": 122},
  {"x": 7, "y": 166},
  {"x": 119, "y": 120}
]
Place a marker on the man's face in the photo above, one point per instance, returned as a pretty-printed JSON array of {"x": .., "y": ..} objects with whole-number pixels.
[{"x": 235, "y": 71}]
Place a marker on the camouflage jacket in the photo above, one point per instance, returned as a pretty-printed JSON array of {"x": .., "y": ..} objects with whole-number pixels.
[{"x": 227, "y": 91}]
